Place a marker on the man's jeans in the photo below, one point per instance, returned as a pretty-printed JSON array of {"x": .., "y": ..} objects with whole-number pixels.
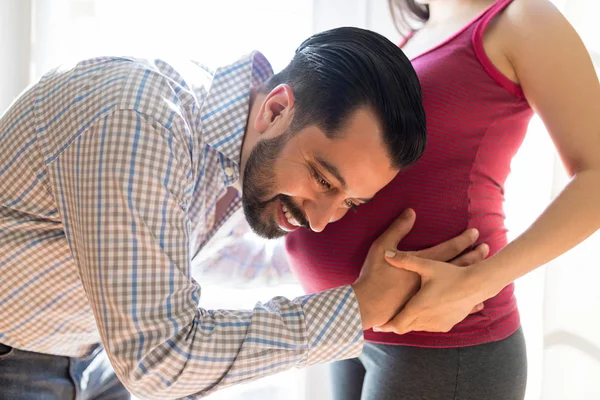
[{"x": 33, "y": 376}]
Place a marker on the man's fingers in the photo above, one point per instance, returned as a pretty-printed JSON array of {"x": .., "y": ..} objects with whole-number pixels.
[
  {"x": 451, "y": 248},
  {"x": 397, "y": 230},
  {"x": 399, "y": 324},
  {"x": 408, "y": 261},
  {"x": 477, "y": 308},
  {"x": 472, "y": 257}
]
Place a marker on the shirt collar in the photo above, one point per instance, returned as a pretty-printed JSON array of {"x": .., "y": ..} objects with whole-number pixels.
[{"x": 225, "y": 112}]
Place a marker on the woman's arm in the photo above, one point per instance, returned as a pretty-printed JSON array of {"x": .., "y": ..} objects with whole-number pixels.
[{"x": 559, "y": 81}]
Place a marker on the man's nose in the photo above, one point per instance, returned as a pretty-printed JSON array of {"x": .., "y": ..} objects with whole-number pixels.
[{"x": 320, "y": 212}]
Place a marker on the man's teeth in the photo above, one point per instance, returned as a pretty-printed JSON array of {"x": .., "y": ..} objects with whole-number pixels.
[{"x": 289, "y": 217}]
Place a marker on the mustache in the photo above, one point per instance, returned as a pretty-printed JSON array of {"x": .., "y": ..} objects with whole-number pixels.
[{"x": 292, "y": 208}]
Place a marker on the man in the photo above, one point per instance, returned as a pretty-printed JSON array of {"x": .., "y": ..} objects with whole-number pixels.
[{"x": 114, "y": 174}]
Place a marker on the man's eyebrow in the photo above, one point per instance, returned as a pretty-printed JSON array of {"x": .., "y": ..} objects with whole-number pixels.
[
  {"x": 332, "y": 170},
  {"x": 336, "y": 173}
]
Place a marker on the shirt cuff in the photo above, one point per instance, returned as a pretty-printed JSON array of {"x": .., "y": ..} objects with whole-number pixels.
[{"x": 333, "y": 325}]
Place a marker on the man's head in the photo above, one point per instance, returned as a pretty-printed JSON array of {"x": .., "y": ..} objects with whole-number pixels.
[{"x": 329, "y": 131}]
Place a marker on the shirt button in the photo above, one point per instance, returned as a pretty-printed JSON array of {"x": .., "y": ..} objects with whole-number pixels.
[{"x": 229, "y": 171}]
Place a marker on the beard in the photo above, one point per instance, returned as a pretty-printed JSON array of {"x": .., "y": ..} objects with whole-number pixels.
[{"x": 259, "y": 190}]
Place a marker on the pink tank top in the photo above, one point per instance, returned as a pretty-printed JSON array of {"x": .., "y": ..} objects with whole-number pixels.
[{"x": 476, "y": 119}]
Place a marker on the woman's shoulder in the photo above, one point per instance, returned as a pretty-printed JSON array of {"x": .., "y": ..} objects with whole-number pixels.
[
  {"x": 525, "y": 21},
  {"x": 523, "y": 27}
]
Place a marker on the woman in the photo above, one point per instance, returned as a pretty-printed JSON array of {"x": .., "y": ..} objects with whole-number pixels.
[{"x": 485, "y": 67}]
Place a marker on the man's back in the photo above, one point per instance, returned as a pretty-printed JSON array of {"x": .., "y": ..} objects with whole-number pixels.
[{"x": 43, "y": 303}]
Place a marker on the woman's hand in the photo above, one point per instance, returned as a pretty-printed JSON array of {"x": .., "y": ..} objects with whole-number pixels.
[{"x": 448, "y": 294}]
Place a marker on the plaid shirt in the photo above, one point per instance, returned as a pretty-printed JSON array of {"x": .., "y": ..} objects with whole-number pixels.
[{"x": 109, "y": 176}]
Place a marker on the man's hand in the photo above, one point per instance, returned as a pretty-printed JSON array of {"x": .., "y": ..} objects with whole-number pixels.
[{"x": 382, "y": 289}]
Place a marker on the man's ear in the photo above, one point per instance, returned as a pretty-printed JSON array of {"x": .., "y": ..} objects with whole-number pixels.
[{"x": 276, "y": 107}]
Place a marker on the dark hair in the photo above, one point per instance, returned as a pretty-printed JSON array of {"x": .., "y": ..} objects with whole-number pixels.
[
  {"x": 335, "y": 72},
  {"x": 406, "y": 12}
]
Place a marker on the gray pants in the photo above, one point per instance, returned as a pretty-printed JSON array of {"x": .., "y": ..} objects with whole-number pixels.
[{"x": 492, "y": 371}]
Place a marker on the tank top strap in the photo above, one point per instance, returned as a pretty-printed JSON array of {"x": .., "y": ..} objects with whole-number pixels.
[
  {"x": 477, "y": 40},
  {"x": 495, "y": 9},
  {"x": 466, "y": 31},
  {"x": 406, "y": 38}
]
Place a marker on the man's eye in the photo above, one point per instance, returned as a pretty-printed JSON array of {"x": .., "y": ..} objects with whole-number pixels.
[
  {"x": 324, "y": 183},
  {"x": 351, "y": 204},
  {"x": 321, "y": 181}
]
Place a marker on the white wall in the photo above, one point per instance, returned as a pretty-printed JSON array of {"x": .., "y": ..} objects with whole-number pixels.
[
  {"x": 370, "y": 14},
  {"x": 15, "y": 17}
]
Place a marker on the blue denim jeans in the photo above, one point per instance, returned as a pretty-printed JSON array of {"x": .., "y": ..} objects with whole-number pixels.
[{"x": 33, "y": 376}]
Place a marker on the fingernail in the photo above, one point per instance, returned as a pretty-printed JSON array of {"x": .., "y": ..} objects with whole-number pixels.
[
  {"x": 376, "y": 329},
  {"x": 407, "y": 213},
  {"x": 390, "y": 253},
  {"x": 474, "y": 233}
]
